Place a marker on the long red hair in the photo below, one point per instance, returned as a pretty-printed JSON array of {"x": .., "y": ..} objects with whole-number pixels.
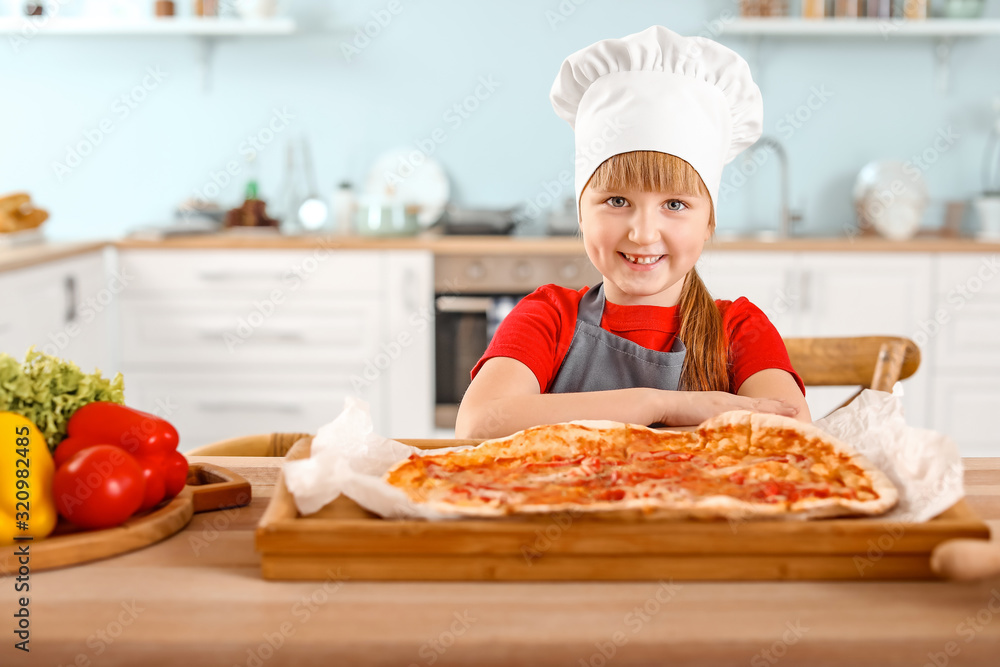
[{"x": 706, "y": 365}]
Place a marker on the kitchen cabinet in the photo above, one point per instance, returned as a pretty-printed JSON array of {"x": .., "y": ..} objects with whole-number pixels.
[
  {"x": 252, "y": 341},
  {"x": 963, "y": 331},
  {"x": 834, "y": 294},
  {"x": 63, "y": 308}
]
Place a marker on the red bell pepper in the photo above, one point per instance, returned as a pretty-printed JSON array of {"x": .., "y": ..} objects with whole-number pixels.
[
  {"x": 150, "y": 440},
  {"x": 139, "y": 433}
]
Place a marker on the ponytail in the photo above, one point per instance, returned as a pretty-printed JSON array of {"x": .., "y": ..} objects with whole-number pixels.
[{"x": 706, "y": 364}]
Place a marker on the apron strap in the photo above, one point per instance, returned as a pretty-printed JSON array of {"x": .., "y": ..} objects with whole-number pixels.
[{"x": 591, "y": 307}]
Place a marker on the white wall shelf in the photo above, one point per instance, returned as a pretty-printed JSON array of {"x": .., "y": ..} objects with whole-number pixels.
[
  {"x": 206, "y": 30},
  {"x": 167, "y": 26},
  {"x": 862, "y": 27},
  {"x": 943, "y": 31}
]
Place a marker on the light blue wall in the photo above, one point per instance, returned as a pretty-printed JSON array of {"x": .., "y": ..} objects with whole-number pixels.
[{"x": 431, "y": 55}]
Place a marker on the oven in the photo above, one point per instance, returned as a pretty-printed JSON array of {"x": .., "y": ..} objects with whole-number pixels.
[{"x": 473, "y": 293}]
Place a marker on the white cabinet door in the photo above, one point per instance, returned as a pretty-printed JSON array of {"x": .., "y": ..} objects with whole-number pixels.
[
  {"x": 407, "y": 351},
  {"x": 868, "y": 294},
  {"x": 62, "y": 308},
  {"x": 965, "y": 407},
  {"x": 768, "y": 279},
  {"x": 865, "y": 294},
  {"x": 257, "y": 341},
  {"x": 965, "y": 331},
  {"x": 207, "y": 407},
  {"x": 13, "y": 315},
  {"x": 816, "y": 294},
  {"x": 192, "y": 332}
]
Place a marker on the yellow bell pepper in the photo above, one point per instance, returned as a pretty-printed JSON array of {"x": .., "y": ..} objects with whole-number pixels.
[{"x": 27, "y": 507}]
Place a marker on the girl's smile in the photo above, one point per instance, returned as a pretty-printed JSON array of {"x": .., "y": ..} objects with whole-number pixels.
[{"x": 642, "y": 262}]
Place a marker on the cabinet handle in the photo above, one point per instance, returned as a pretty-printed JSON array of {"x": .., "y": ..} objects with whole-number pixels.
[
  {"x": 788, "y": 296},
  {"x": 411, "y": 283},
  {"x": 283, "y": 336},
  {"x": 805, "y": 284},
  {"x": 233, "y": 276},
  {"x": 463, "y": 304},
  {"x": 284, "y": 408},
  {"x": 69, "y": 287}
]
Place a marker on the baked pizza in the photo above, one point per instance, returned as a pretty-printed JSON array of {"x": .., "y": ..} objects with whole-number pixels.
[{"x": 739, "y": 464}]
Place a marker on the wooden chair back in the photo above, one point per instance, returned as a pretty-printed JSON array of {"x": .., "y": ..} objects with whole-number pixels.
[
  {"x": 871, "y": 362},
  {"x": 265, "y": 444}
]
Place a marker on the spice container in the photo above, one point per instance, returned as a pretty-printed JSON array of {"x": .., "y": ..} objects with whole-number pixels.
[
  {"x": 915, "y": 9},
  {"x": 847, "y": 8},
  {"x": 164, "y": 7},
  {"x": 760, "y": 8},
  {"x": 206, "y": 8},
  {"x": 813, "y": 9},
  {"x": 879, "y": 9}
]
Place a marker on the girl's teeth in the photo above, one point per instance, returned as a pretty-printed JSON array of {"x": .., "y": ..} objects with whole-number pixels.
[{"x": 642, "y": 260}]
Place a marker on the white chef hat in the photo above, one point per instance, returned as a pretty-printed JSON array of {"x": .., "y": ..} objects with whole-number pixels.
[{"x": 656, "y": 90}]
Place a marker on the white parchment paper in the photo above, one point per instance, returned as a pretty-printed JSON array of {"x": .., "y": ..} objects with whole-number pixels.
[
  {"x": 349, "y": 458},
  {"x": 924, "y": 465}
]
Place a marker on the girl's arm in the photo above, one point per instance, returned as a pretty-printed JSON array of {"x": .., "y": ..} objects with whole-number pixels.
[
  {"x": 505, "y": 397},
  {"x": 778, "y": 384}
]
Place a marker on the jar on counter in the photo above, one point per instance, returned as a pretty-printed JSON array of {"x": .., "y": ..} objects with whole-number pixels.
[{"x": 344, "y": 206}]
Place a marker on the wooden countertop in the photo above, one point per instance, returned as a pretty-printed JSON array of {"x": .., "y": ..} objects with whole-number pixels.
[
  {"x": 16, "y": 258},
  {"x": 30, "y": 255},
  {"x": 197, "y": 598},
  {"x": 487, "y": 245}
]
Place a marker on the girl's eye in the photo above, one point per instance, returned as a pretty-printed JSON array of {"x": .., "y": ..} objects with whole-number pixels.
[
  {"x": 676, "y": 205},
  {"x": 617, "y": 202}
]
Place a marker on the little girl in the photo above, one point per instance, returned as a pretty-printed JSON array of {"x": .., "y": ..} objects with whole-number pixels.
[{"x": 656, "y": 117}]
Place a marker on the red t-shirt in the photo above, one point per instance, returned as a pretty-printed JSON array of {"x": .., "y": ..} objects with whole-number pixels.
[{"x": 539, "y": 330}]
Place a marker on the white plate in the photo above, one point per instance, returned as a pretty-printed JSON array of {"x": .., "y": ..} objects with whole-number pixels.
[
  {"x": 407, "y": 176},
  {"x": 890, "y": 198}
]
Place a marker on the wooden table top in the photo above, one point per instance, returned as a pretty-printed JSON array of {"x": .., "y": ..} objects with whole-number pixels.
[{"x": 197, "y": 598}]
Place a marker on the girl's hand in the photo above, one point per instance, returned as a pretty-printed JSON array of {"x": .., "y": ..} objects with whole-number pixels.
[{"x": 687, "y": 408}]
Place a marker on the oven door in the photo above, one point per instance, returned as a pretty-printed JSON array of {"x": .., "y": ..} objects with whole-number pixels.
[{"x": 464, "y": 325}]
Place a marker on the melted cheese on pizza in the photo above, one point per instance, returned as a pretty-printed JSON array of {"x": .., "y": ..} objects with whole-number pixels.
[{"x": 588, "y": 466}]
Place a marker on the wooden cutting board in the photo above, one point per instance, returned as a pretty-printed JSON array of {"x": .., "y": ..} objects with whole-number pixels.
[
  {"x": 345, "y": 538},
  {"x": 209, "y": 487}
]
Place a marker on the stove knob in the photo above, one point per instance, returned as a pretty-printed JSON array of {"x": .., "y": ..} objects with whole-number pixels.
[
  {"x": 475, "y": 271},
  {"x": 522, "y": 270}
]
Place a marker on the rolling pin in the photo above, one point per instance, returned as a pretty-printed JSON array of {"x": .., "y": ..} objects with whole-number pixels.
[{"x": 966, "y": 560}]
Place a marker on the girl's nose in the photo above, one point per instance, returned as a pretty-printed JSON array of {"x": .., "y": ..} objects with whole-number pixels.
[{"x": 643, "y": 229}]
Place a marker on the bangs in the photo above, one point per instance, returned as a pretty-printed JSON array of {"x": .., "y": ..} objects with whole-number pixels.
[{"x": 647, "y": 171}]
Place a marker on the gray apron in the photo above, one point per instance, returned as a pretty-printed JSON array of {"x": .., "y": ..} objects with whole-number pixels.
[{"x": 598, "y": 360}]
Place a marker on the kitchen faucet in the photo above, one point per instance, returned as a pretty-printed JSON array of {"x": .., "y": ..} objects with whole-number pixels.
[{"x": 787, "y": 217}]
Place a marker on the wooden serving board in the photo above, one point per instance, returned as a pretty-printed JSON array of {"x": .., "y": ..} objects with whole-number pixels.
[
  {"x": 346, "y": 539},
  {"x": 209, "y": 487}
]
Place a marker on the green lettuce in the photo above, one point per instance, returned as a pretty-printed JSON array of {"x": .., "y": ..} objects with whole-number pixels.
[{"x": 48, "y": 390}]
